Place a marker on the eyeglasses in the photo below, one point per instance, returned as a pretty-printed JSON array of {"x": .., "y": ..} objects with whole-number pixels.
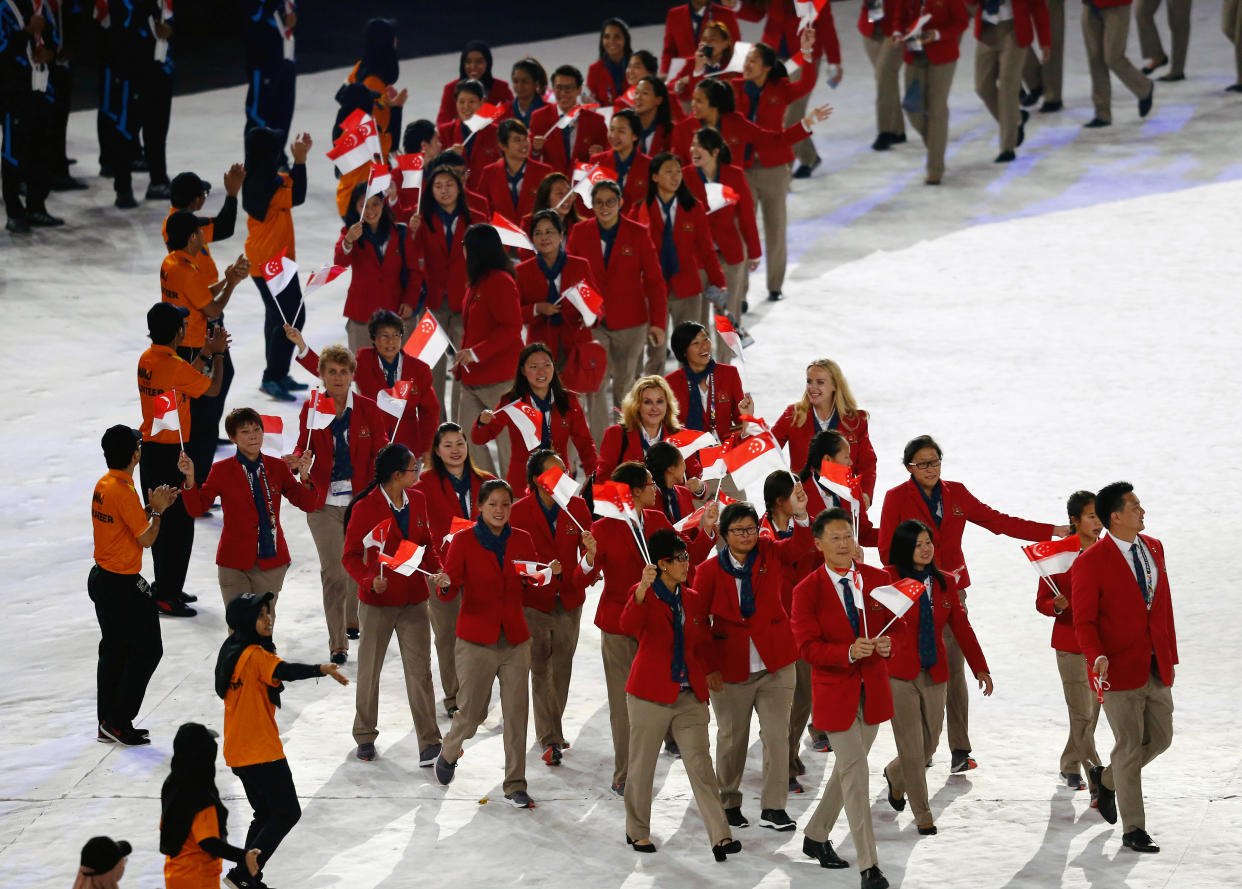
[
  {"x": 927, "y": 464},
  {"x": 680, "y": 557},
  {"x": 608, "y": 204},
  {"x": 744, "y": 532},
  {"x": 564, "y": 88}
]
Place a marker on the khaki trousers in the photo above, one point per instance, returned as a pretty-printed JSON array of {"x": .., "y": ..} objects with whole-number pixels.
[
  {"x": 1048, "y": 75},
  {"x": 357, "y": 335},
  {"x": 451, "y": 323},
  {"x": 998, "y": 78},
  {"x": 800, "y": 714},
  {"x": 1231, "y": 24},
  {"x": 735, "y": 283},
  {"x": 1179, "y": 31},
  {"x": 340, "y": 600},
  {"x": 234, "y": 582},
  {"x": 770, "y": 188},
  {"x": 847, "y": 787},
  {"x": 618, "y": 652},
  {"x": 958, "y": 693},
  {"x": 478, "y": 666},
  {"x": 414, "y": 641},
  {"x": 918, "y": 711},
  {"x": 804, "y": 151},
  {"x": 692, "y": 308},
  {"x": 886, "y": 63},
  {"x": 1142, "y": 724},
  {"x": 770, "y": 697},
  {"x": 649, "y": 723},
  {"x": 474, "y": 401},
  {"x": 1084, "y": 712},
  {"x": 1105, "y": 31},
  {"x": 933, "y": 124},
  {"x": 444, "y": 625},
  {"x": 553, "y": 641},
  {"x": 625, "y": 359}
]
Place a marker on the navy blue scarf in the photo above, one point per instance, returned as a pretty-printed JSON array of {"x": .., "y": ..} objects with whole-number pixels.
[
  {"x": 493, "y": 543},
  {"x": 515, "y": 183},
  {"x": 747, "y": 597},
  {"x": 402, "y": 516},
  {"x": 259, "y": 489},
  {"x": 672, "y": 505},
  {"x": 461, "y": 487},
  {"x": 623, "y": 167},
  {"x": 549, "y": 512},
  {"x": 524, "y": 116},
  {"x": 446, "y": 221},
  {"x": 669, "y": 263},
  {"x": 342, "y": 468},
  {"x": 616, "y": 70},
  {"x": 389, "y": 368},
  {"x": 927, "y": 623},
  {"x": 694, "y": 409},
  {"x": 672, "y": 599},
  {"x": 377, "y": 238},
  {"x": 544, "y": 406},
  {"x": 934, "y": 501},
  {"x": 552, "y": 273},
  {"x": 609, "y": 237}
]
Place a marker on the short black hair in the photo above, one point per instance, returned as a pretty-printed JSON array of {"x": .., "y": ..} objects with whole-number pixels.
[
  {"x": 778, "y": 485},
  {"x": 914, "y": 445},
  {"x": 1077, "y": 503},
  {"x": 683, "y": 335},
  {"x": 1111, "y": 499},
  {"x": 384, "y": 318},
  {"x": 507, "y": 128},
  {"x": 119, "y": 443},
  {"x": 535, "y": 465},
  {"x": 605, "y": 185},
  {"x": 446, "y": 158},
  {"x": 535, "y": 69},
  {"x": 734, "y": 513},
  {"x": 469, "y": 86},
  {"x": 825, "y": 518},
  {"x": 664, "y": 544},
  {"x": 548, "y": 215},
  {"x": 178, "y": 229},
  {"x": 631, "y": 474},
  {"x": 568, "y": 71},
  {"x": 493, "y": 484},
  {"x": 416, "y": 134}
]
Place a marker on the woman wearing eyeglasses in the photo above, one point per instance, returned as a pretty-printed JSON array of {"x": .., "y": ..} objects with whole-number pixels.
[{"x": 945, "y": 507}]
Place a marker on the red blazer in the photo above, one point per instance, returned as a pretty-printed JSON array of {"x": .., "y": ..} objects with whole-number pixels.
[
  {"x": 680, "y": 41},
  {"x": 800, "y": 565},
  {"x": 783, "y": 23},
  {"x": 1111, "y": 618},
  {"x": 444, "y": 266},
  {"x": 886, "y": 25},
  {"x": 367, "y": 434},
  {"x": 497, "y": 95},
  {"x": 774, "y": 98},
  {"x": 960, "y": 506},
  {"x": 651, "y": 622},
  {"x": 571, "y": 425},
  {"x": 946, "y": 609},
  {"x": 564, "y": 544},
  {"x": 824, "y": 636},
  {"x": 533, "y": 288},
  {"x": 728, "y": 384},
  {"x": 494, "y": 185},
  {"x": 239, "y": 538},
  {"x": 377, "y": 285},
  {"x": 443, "y": 505},
  {"x": 417, "y": 427},
  {"x": 948, "y": 17},
  {"x": 599, "y": 84},
  {"x": 634, "y": 189},
  {"x": 695, "y": 251},
  {"x": 491, "y": 595},
  {"x": 733, "y": 227},
  {"x": 481, "y": 150},
  {"x": 1030, "y": 20},
  {"x": 769, "y": 626},
  {"x": 818, "y": 500},
  {"x": 492, "y": 317},
  {"x": 363, "y": 563},
  {"x": 616, "y": 447},
  {"x": 738, "y": 133},
  {"x": 853, "y": 429},
  {"x": 685, "y": 503},
  {"x": 618, "y": 559},
  {"x": 661, "y": 138},
  {"x": 589, "y": 129},
  {"x": 633, "y": 258},
  {"x": 1063, "y": 636}
]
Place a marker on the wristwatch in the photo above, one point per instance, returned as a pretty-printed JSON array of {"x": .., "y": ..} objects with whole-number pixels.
[{"x": 152, "y": 512}]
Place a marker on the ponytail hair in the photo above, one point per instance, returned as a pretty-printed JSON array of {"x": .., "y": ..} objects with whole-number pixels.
[{"x": 391, "y": 459}]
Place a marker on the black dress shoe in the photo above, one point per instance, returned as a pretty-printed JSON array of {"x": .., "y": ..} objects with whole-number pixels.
[
  {"x": 897, "y": 138},
  {"x": 928, "y": 830},
  {"x": 43, "y": 219},
  {"x": 1026, "y": 99},
  {"x": 776, "y": 819},
  {"x": 640, "y": 847},
  {"x": 1145, "y": 104},
  {"x": 158, "y": 191},
  {"x": 805, "y": 170},
  {"x": 17, "y": 226},
  {"x": 1147, "y": 69},
  {"x": 1107, "y": 798},
  {"x": 726, "y": 847},
  {"x": 1171, "y": 78},
  {"x": 339, "y": 657},
  {"x": 1139, "y": 841},
  {"x": 125, "y": 200},
  {"x": 882, "y": 142},
  {"x": 898, "y": 805},
  {"x": 65, "y": 182},
  {"x": 1234, "y": 88},
  {"x": 1026, "y": 115},
  {"x": 823, "y": 853},
  {"x": 351, "y": 632},
  {"x": 775, "y": 296},
  {"x": 1005, "y": 157},
  {"x": 1049, "y": 107},
  {"x": 873, "y": 879},
  {"x": 735, "y": 817},
  {"x": 1095, "y": 123}
]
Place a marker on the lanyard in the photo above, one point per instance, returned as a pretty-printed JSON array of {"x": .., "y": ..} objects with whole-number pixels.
[
  {"x": 267, "y": 494},
  {"x": 1147, "y": 579}
]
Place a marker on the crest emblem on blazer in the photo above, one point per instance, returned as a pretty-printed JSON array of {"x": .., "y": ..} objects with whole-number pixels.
[
  {"x": 627, "y": 250},
  {"x": 957, "y": 510},
  {"x": 364, "y": 432}
]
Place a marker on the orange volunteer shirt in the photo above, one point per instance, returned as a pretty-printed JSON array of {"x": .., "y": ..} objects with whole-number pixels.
[
  {"x": 206, "y": 265},
  {"x": 250, "y": 733},
  {"x": 267, "y": 237},
  {"x": 160, "y": 370},
  {"x": 192, "y": 868},
  {"x": 182, "y": 284},
  {"x": 117, "y": 518}
]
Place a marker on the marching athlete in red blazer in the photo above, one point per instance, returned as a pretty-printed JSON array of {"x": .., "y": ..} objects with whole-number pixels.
[
  {"x": 538, "y": 386},
  {"x": 554, "y": 609},
  {"x": 479, "y": 149},
  {"x": 633, "y": 168},
  {"x": 605, "y": 78},
  {"x": 1123, "y": 617},
  {"x": 390, "y": 601},
  {"x": 541, "y": 281},
  {"x": 683, "y": 28},
  {"x": 514, "y": 171},
  {"x": 712, "y": 106},
  {"x": 493, "y": 641},
  {"x": 475, "y": 64},
  {"x": 1000, "y": 51},
  {"x": 576, "y": 142},
  {"x": 445, "y": 217},
  {"x": 830, "y": 445},
  {"x": 764, "y": 92},
  {"x": 667, "y": 690},
  {"x": 717, "y": 402},
  {"x": 648, "y": 415},
  {"x": 849, "y": 677},
  {"x": 1054, "y": 597},
  {"x": 919, "y": 670},
  {"x": 743, "y": 582},
  {"x": 252, "y": 556},
  {"x": 946, "y": 507},
  {"x": 877, "y": 22}
]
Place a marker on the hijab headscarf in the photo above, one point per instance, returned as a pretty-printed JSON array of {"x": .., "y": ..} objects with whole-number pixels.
[
  {"x": 241, "y": 615},
  {"x": 379, "y": 52},
  {"x": 189, "y": 788},
  {"x": 484, "y": 50},
  {"x": 264, "y": 147}
]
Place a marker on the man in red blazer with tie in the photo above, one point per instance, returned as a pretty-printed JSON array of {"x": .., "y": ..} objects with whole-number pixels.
[
  {"x": 510, "y": 183},
  {"x": 584, "y": 135},
  {"x": 849, "y": 685},
  {"x": 1123, "y": 617}
]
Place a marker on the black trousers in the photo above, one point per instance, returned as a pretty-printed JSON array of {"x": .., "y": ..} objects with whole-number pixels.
[
  {"x": 269, "y": 95},
  {"x": 277, "y": 346},
  {"x": 171, "y": 551},
  {"x": 27, "y": 124},
  {"x": 156, "y": 107},
  {"x": 269, "y": 788},
  {"x": 130, "y": 647},
  {"x": 61, "y": 79},
  {"x": 119, "y": 120},
  {"x": 205, "y": 414}
]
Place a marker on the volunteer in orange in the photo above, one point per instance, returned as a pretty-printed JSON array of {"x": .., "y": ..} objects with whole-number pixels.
[
  {"x": 130, "y": 647},
  {"x": 249, "y": 679}
]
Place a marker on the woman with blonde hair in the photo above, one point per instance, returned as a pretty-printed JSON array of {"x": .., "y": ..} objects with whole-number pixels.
[
  {"x": 828, "y": 403},
  {"x": 648, "y": 414}
]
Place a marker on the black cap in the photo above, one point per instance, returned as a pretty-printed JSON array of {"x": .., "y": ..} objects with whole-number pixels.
[
  {"x": 242, "y": 612},
  {"x": 178, "y": 228},
  {"x": 120, "y": 439},
  {"x": 101, "y": 854},
  {"x": 164, "y": 320},
  {"x": 185, "y": 187}
]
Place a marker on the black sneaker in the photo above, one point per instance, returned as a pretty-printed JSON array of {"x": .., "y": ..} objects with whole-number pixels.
[
  {"x": 1073, "y": 781},
  {"x": 125, "y": 200},
  {"x": 805, "y": 171},
  {"x": 552, "y": 755},
  {"x": 187, "y": 597},
  {"x": 126, "y": 736},
  {"x": 339, "y": 657},
  {"x": 43, "y": 219},
  {"x": 822, "y": 745},
  {"x": 101, "y": 737},
  {"x": 450, "y": 710},
  {"x": 962, "y": 762},
  {"x": 17, "y": 226},
  {"x": 795, "y": 787},
  {"x": 619, "y": 789},
  {"x": 445, "y": 770},
  {"x": 158, "y": 191},
  {"x": 239, "y": 878},
  {"x": 520, "y": 799},
  {"x": 65, "y": 182},
  {"x": 174, "y": 609},
  {"x": 726, "y": 847},
  {"x": 428, "y": 755},
  {"x": 775, "y": 296},
  {"x": 292, "y": 385},
  {"x": 776, "y": 819},
  {"x": 366, "y": 752},
  {"x": 736, "y": 818},
  {"x": 351, "y": 633}
]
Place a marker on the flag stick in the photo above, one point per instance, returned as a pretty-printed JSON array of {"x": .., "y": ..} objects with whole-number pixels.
[
  {"x": 1048, "y": 580},
  {"x": 276, "y": 300},
  {"x": 887, "y": 625},
  {"x": 310, "y": 419},
  {"x": 642, "y": 546},
  {"x": 581, "y": 529}
]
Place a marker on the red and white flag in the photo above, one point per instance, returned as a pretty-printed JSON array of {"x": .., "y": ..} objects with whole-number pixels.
[
  {"x": 458, "y": 524},
  {"x": 428, "y": 342},
  {"x": 807, "y": 10},
  {"x": 691, "y": 441},
  {"x": 568, "y": 117},
  {"x": 675, "y": 66},
  {"x": 614, "y": 501},
  {"x": 379, "y": 535},
  {"x": 393, "y": 401},
  {"x": 538, "y": 573},
  {"x": 411, "y": 167},
  {"x": 406, "y": 559},
  {"x": 728, "y": 334},
  {"x": 840, "y": 481},
  {"x": 627, "y": 98},
  {"x": 481, "y": 118},
  {"x": 365, "y": 125},
  {"x": 753, "y": 460},
  {"x": 351, "y": 150},
  {"x": 273, "y": 435},
  {"x": 691, "y": 521},
  {"x": 527, "y": 421},
  {"x": 321, "y": 412},
  {"x": 719, "y": 196},
  {"x": 557, "y": 485},
  {"x": 713, "y": 463},
  {"x": 279, "y": 271},
  {"x": 586, "y": 175},
  {"x": 164, "y": 413},
  {"x": 325, "y": 275},
  {"x": 378, "y": 180},
  {"x": 589, "y": 303},
  {"x": 1053, "y": 556},
  {"x": 510, "y": 234},
  {"x": 899, "y": 596}
]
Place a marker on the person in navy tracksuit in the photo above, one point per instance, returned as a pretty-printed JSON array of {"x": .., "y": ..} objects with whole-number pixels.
[
  {"x": 271, "y": 73},
  {"x": 130, "y": 46}
]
